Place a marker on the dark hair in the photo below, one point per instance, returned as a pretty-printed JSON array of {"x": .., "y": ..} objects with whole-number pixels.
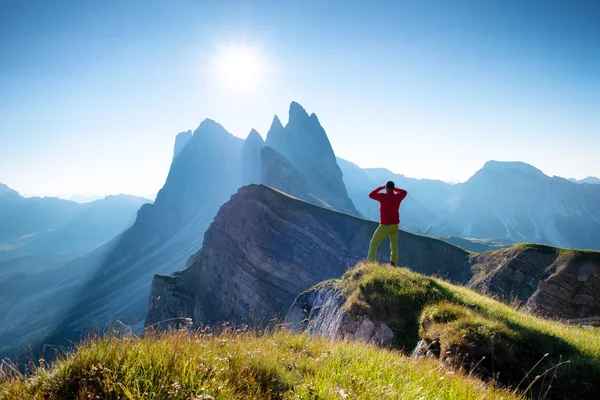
[{"x": 390, "y": 185}]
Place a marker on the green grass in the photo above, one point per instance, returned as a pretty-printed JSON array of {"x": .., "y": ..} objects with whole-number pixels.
[
  {"x": 467, "y": 327},
  {"x": 577, "y": 255},
  {"x": 473, "y": 334},
  {"x": 230, "y": 365}
]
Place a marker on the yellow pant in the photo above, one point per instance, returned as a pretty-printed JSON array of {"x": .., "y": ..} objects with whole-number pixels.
[{"x": 380, "y": 234}]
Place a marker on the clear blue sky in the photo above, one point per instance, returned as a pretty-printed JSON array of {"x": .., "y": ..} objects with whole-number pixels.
[{"x": 92, "y": 93}]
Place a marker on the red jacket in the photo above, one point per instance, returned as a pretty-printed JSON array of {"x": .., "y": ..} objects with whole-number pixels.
[{"x": 389, "y": 204}]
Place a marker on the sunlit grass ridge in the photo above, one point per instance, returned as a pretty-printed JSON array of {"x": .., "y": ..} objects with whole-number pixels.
[
  {"x": 467, "y": 326},
  {"x": 281, "y": 365}
]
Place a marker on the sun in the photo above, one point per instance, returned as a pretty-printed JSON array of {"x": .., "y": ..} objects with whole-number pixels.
[{"x": 239, "y": 68}]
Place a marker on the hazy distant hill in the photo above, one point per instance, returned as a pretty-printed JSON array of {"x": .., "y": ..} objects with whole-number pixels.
[
  {"x": 592, "y": 180},
  {"x": 30, "y": 226}
]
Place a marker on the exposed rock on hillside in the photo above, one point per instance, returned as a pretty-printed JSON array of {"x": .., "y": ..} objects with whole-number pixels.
[
  {"x": 304, "y": 143},
  {"x": 265, "y": 247},
  {"x": 318, "y": 312},
  {"x": 553, "y": 282}
]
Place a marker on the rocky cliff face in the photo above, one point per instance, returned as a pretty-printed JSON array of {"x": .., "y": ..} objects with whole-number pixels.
[
  {"x": 265, "y": 247},
  {"x": 319, "y": 312},
  {"x": 304, "y": 143},
  {"x": 549, "y": 281}
]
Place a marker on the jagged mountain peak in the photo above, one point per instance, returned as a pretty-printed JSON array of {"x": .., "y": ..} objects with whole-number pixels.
[
  {"x": 304, "y": 143},
  {"x": 254, "y": 137},
  {"x": 297, "y": 112},
  {"x": 251, "y": 162},
  {"x": 210, "y": 125},
  {"x": 276, "y": 124}
]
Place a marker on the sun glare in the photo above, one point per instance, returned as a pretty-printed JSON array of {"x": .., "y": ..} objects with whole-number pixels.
[{"x": 239, "y": 67}]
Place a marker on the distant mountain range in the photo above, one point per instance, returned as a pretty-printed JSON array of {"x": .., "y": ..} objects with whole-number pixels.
[
  {"x": 34, "y": 226},
  {"x": 510, "y": 201}
]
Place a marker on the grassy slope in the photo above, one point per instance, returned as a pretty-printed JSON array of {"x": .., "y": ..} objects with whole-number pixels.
[
  {"x": 462, "y": 322},
  {"x": 285, "y": 365},
  {"x": 579, "y": 255},
  {"x": 282, "y": 365}
]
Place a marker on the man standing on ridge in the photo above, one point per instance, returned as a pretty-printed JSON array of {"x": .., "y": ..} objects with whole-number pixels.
[{"x": 389, "y": 217}]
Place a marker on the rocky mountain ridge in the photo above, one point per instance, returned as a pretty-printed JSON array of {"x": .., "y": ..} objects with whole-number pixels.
[
  {"x": 265, "y": 247},
  {"x": 546, "y": 280}
]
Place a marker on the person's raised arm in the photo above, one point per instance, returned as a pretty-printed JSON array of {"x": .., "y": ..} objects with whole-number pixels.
[
  {"x": 374, "y": 194},
  {"x": 401, "y": 192}
]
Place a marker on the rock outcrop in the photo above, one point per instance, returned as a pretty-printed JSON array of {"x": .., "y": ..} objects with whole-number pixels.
[
  {"x": 549, "y": 281},
  {"x": 319, "y": 312},
  {"x": 304, "y": 143},
  {"x": 265, "y": 247}
]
